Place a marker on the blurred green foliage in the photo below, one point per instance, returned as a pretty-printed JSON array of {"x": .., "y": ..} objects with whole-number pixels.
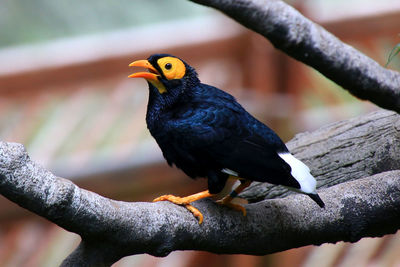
[
  {"x": 393, "y": 54},
  {"x": 26, "y": 21}
]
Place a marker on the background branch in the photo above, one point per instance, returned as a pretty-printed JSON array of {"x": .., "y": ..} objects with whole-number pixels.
[
  {"x": 300, "y": 38},
  {"x": 366, "y": 207}
]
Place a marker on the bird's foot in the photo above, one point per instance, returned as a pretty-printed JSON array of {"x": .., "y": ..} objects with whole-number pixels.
[
  {"x": 173, "y": 199},
  {"x": 185, "y": 201},
  {"x": 196, "y": 213},
  {"x": 227, "y": 202}
]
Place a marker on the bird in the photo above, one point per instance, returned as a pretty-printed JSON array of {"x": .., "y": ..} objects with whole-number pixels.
[{"x": 205, "y": 132}]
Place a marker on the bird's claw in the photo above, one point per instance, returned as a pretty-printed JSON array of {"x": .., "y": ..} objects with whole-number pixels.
[
  {"x": 195, "y": 212},
  {"x": 182, "y": 201},
  {"x": 173, "y": 199},
  {"x": 233, "y": 206}
]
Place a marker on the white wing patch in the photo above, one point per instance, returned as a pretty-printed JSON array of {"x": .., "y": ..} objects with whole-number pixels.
[
  {"x": 301, "y": 173},
  {"x": 230, "y": 172}
]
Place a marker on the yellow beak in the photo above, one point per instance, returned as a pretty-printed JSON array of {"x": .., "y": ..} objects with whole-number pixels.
[{"x": 150, "y": 76}]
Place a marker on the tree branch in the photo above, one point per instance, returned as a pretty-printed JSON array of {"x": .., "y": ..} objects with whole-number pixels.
[
  {"x": 113, "y": 229},
  {"x": 311, "y": 44}
]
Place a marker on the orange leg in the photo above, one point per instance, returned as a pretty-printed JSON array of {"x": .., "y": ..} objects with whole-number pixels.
[
  {"x": 227, "y": 200},
  {"x": 185, "y": 201}
]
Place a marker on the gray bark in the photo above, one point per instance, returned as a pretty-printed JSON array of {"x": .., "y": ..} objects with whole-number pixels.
[
  {"x": 311, "y": 44},
  {"x": 113, "y": 229}
]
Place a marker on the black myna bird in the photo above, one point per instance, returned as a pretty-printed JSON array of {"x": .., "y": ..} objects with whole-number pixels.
[{"x": 205, "y": 132}]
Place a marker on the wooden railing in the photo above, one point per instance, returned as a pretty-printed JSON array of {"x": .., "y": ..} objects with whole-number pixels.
[{"x": 30, "y": 69}]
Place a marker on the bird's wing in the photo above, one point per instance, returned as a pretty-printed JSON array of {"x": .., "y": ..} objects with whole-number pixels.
[
  {"x": 225, "y": 140},
  {"x": 255, "y": 159}
]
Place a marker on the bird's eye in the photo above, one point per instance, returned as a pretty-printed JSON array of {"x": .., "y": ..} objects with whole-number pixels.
[
  {"x": 171, "y": 67},
  {"x": 168, "y": 66}
]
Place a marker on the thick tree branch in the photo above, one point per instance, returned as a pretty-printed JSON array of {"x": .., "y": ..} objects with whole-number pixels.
[
  {"x": 365, "y": 207},
  {"x": 311, "y": 44}
]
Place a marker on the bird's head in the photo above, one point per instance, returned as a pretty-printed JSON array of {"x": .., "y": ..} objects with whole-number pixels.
[{"x": 168, "y": 74}]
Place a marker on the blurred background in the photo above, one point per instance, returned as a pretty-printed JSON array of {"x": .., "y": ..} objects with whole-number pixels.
[{"x": 65, "y": 95}]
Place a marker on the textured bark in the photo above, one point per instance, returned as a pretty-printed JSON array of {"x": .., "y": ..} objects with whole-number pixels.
[
  {"x": 113, "y": 229},
  {"x": 311, "y": 44}
]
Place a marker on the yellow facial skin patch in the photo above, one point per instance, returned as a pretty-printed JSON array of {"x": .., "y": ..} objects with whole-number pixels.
[{"x": 172, "y": 68}]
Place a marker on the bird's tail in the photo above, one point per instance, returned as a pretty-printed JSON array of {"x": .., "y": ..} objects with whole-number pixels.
[
  {"x": 302, "y": 174},
  {"x": 317, "y": 199}
]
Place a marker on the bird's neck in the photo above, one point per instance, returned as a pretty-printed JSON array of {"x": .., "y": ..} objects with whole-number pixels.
[
  {"x": 160, "y": 106},
  {"x": 157, "y": 107},
  {"x": 154, "y": 108}
]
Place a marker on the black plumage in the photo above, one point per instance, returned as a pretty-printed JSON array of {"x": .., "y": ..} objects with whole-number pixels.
[{"x": 205, "y": 132}]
